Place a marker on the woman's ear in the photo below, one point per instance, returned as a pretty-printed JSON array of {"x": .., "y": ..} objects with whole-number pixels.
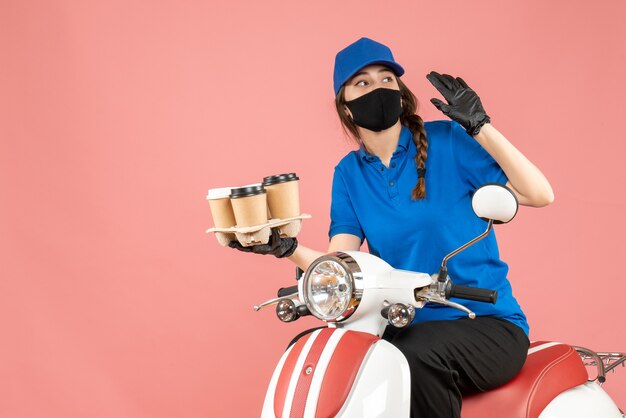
[{"x": 347, "y": 112}]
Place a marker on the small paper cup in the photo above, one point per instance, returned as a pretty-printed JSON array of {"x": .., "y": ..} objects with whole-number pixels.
[
  {"x": 283, "y": 195},
  {"x": 221, "y": 208},
  {"x": 249, "y": 205}
]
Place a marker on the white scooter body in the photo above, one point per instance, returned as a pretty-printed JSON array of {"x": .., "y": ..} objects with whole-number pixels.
[
  {"x": 382, "y": 384},
  {"x": 347, "y": 371},
  {"x": 586, "y": 400}
]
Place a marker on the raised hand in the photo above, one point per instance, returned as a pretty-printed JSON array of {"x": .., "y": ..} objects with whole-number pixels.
[{"x": 463, "y": 105}]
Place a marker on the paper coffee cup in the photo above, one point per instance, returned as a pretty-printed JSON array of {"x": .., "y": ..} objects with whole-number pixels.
[
  {"x": 283, "y": 196},
  {"x": 221, "y": 208},
  {"x": 249, "y": 205}
]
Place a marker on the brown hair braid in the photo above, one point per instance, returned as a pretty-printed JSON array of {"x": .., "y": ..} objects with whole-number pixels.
[{"x": 408, "y": 118}]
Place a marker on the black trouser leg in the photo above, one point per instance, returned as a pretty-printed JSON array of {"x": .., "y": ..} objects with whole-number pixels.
[{"x": 451, "y": 358}]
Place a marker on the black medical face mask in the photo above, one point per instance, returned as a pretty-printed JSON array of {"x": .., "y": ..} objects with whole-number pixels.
[{"x": 377, "y": 110}]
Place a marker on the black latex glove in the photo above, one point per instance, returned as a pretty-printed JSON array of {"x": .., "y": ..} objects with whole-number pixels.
[
  {"x": 463, "y": 106},
  {"x": 276, "y": 246}
]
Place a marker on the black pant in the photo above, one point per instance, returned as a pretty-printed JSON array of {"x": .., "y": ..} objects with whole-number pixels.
[{"x": 451, "y": 358}]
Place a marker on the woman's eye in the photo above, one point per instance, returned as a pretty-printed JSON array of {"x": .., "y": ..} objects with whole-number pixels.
[
  {"x": 361, "y": 83},
  {"x": 388, "y": 79}
]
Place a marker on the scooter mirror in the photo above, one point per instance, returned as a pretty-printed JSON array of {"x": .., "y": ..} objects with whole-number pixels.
[{"x": 495, "y": 202}]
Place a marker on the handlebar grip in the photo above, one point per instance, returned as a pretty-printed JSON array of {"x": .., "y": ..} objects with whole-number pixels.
[
  {"x": 471, "y": 293},
  {"x": 286, "y": 291}
]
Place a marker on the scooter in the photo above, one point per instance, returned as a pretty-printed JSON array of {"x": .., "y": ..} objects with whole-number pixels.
[{"x": 347, "y": 370}]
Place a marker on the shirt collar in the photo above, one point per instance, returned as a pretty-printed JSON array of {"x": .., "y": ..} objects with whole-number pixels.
[
  {"x": 405, "y": 138},
  {"x": 403, "y": 144}
]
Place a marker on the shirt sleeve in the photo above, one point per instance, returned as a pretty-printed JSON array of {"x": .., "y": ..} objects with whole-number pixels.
[
  {"x": 343, "y": 219},
  {"x": 475, "y": 164}
]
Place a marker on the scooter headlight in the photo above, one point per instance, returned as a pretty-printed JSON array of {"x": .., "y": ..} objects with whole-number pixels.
[{"x": 330, "y": 290}]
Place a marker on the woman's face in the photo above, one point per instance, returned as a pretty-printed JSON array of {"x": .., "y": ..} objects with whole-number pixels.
[{"x": 368, "y": 79}]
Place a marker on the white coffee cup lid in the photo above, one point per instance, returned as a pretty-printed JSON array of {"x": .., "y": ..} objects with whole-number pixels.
[{"x": 219, "y": 193}]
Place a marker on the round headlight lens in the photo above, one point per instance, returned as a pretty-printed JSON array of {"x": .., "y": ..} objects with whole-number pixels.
[{"x": 328, "y": 290}]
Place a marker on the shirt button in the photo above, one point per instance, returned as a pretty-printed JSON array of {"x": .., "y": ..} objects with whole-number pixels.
[
  {"x": 391, "y": 183},
  {"x": 382, "y": 168},
  {"x": 393, "y": 165}
]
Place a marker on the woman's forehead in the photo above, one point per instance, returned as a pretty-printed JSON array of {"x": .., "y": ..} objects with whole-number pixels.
[{"x": 373, "y": 69}]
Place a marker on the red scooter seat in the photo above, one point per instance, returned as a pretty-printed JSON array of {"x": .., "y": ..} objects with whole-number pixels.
[{"x": 550, "y": 368}]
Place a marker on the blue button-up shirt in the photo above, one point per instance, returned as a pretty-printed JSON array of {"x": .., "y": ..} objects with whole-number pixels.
[{"x": 373, "y": 202}]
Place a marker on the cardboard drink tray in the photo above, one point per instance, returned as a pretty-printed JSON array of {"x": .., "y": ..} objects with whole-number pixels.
[{"x": 259, "y": 234}]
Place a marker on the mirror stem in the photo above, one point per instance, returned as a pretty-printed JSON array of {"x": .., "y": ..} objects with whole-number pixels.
[{"x": 443, "y": 270}]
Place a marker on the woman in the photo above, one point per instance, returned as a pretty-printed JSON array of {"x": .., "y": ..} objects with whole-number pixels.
[{"x": 407, "y": 190}]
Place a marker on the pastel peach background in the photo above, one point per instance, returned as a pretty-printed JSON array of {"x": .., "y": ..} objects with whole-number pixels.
[{"x": 117, "y": 116}]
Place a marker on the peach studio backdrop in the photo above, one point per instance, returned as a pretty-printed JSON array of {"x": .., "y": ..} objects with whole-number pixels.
[{"x": 116, "y": 117}]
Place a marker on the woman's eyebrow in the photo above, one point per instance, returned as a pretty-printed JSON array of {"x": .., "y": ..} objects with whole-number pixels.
[{"x": 366, "y": 73}]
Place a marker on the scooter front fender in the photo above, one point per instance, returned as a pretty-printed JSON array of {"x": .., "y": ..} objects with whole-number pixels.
[{"x": 334, "y": 372}]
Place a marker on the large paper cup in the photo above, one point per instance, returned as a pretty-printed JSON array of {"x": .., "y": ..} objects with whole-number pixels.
[
  {"x": 283, "y": 196},
  {"x": 249, "y": 205},
  {"x": 221, "y": 208}
]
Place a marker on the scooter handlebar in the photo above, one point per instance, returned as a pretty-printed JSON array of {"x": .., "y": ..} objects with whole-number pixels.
[
  {"x": 287, "y": 291},
  {"x": 471, "y": 293}
]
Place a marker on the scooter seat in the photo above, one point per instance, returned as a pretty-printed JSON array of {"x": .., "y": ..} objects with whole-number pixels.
[{"x": 550, "y": 368}]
